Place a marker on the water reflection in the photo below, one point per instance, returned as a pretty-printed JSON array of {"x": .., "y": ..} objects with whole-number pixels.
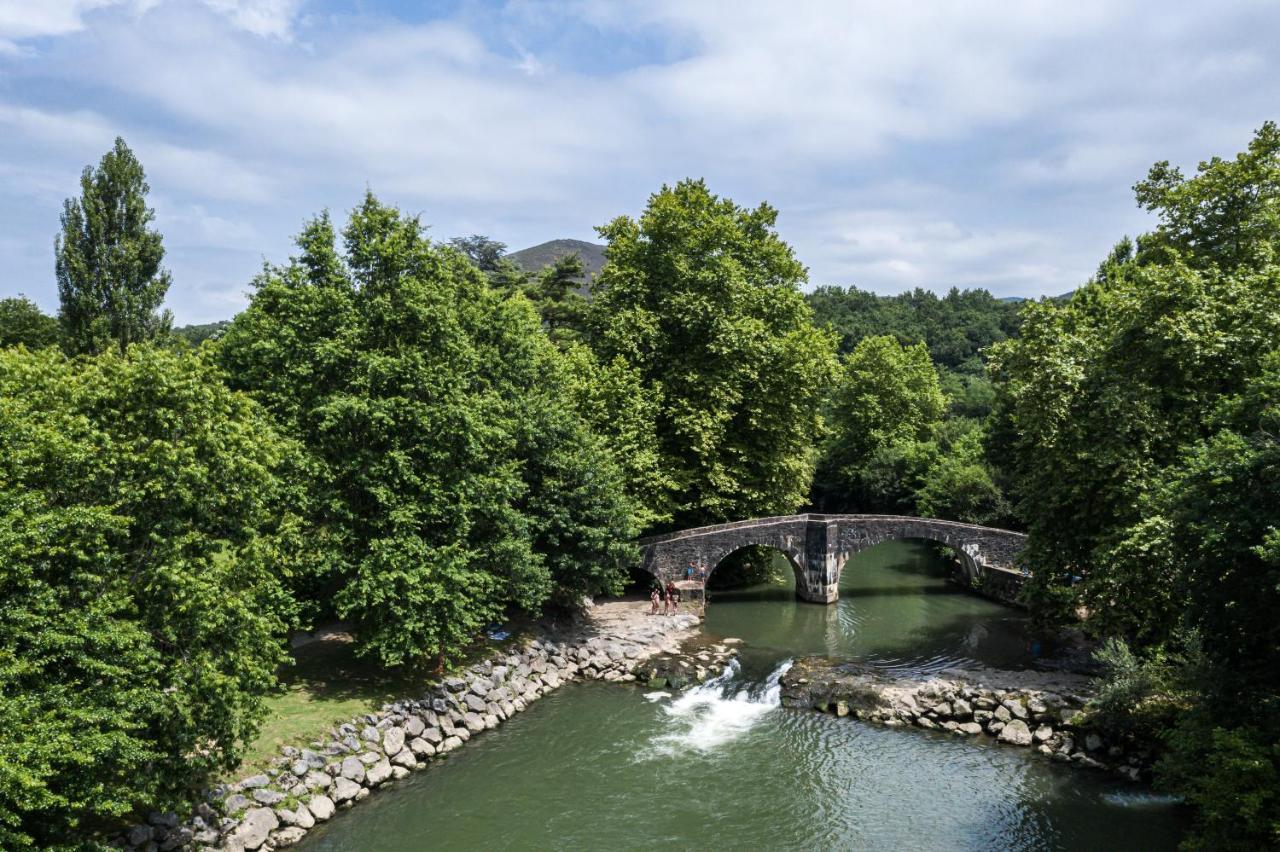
[{"x": 897, "y": 609}]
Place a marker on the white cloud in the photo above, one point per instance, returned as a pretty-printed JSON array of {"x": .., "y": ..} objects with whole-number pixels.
[
  {"x": 260, "y": 17},
  {"x": 924, "y": 144},
  {"x": 22, "y": 19},
  {"x": 26, "y": 19}
]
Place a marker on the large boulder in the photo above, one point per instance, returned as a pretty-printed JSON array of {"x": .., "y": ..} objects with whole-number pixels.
[
  {"x": 378, "y": 773},
  {"x": 268, "y": 797},
  {"x": 1016, "y": 732},
  {"x": 344, "y": 790},
  {"x": 321, "y": 807},
  {"x": 299, "y": 816},
  {"x": 317, "y": 780},
  {"x": 234, "y": 803},
  {"x": 393, "y": 740},
  {"x": 254, "y": 828},
  {"x": 287, "y": 836},
  {"x": 1015, "y": 707},
  {"x": 405, "y": 758},
  {"x": 353, "y": 769}
]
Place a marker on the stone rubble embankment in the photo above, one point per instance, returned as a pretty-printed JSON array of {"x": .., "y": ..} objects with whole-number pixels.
[
  {"x": 307, "y": 786},
  {"x": 1016, "y": 708}
]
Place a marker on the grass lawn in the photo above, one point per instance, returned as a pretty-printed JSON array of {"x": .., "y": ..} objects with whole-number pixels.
[{"x": 327, "y": 685}]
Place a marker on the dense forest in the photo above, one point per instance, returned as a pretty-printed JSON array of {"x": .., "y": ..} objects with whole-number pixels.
[
  {"x": 907, "y": 421},
  {"x": 420, "y": 437}
]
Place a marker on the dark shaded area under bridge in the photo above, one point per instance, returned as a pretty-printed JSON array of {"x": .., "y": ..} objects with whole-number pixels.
[{"x": 818, "y": 546}]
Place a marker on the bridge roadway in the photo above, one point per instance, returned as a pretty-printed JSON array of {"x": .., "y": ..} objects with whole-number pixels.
[{"x": 818, "y": 546}]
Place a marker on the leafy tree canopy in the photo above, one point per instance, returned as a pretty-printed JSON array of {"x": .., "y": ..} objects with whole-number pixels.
[
  {"x": 956, "y": 328},
  {"x": 23, "y": 323},
  {"x": 1138, "y": 425},
  {"x": 449, "y": 474},
  {"x": 885, "y": 406},
  {"x": 700, "y": 298},
  {"x": 485, "y": 253},
  {"x": 141, "y": 618}
]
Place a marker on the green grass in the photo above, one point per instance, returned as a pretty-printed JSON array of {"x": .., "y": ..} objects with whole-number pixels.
[{"x": 328, "y": 684}]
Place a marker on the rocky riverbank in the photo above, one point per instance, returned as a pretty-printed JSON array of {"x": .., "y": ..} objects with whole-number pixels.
[
  {"x": 307, "y": 786},
  {"x": 1031, "y": 709}
]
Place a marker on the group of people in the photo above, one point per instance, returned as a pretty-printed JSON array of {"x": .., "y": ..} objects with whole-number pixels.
[{"x": 669, "y": 597}]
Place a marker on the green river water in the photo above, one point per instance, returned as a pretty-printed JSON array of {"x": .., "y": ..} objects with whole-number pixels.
[{"x": 601, "y": 766}]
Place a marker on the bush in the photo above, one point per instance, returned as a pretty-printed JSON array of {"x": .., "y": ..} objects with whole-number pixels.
[{"x": 1232, "y": 776}]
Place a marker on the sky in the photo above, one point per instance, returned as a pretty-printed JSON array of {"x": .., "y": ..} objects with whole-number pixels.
[{"x": 921, "y": 144}]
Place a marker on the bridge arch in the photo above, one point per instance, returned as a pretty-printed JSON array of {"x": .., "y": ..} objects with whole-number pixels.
[
  {"x": 714, "y": 558},
  {"x": 819, "y": 547}
]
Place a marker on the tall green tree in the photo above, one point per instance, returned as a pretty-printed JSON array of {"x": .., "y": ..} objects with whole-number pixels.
[
  {"x": 623, "y": 410},
  {"x": 143, "y": 531},
  {"x": 700, "y": 297},
  {"x": 960, "y": 485},
  {"x": 554, "y": 292},
  {"x": 883, "y": 411},
  {"x": 23, "y": 323},
  {"x": 1225, "y": 216},
  {"x": 485, "y": 253},
  {"x": 448, "y": 475},
  {"x": 1137, "y": 425},
  {"x": 108, "y": 259},
  {"x": 1097, "y": 398}
]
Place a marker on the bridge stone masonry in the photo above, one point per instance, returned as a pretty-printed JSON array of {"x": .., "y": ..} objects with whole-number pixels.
[{"x": 819, "y": 546}]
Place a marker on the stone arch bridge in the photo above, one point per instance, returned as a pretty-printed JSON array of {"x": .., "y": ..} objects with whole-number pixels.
[{"x": 818, "y": 546}]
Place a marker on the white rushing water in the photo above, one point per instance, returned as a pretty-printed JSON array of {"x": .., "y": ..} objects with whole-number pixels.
[{"x": 710, "y": 715}]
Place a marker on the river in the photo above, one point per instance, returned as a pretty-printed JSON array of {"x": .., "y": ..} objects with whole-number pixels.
[{"x": 602, "y": 766}]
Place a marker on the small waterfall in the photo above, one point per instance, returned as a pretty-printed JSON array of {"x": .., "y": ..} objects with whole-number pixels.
[{"x": 718, "y": 711}]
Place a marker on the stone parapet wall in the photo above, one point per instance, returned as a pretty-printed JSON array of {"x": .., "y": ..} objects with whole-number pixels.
[{"x": 819, "y": 546}]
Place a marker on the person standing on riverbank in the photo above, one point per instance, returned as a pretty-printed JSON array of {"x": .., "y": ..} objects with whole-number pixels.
[{"x": 654, "y": 596}]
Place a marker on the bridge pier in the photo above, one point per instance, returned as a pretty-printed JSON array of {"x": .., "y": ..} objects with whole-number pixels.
[{"x": 822, "y": 565}]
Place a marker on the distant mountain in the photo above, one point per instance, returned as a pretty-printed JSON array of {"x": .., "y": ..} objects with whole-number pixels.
[{"x": 536, "y": 258}]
